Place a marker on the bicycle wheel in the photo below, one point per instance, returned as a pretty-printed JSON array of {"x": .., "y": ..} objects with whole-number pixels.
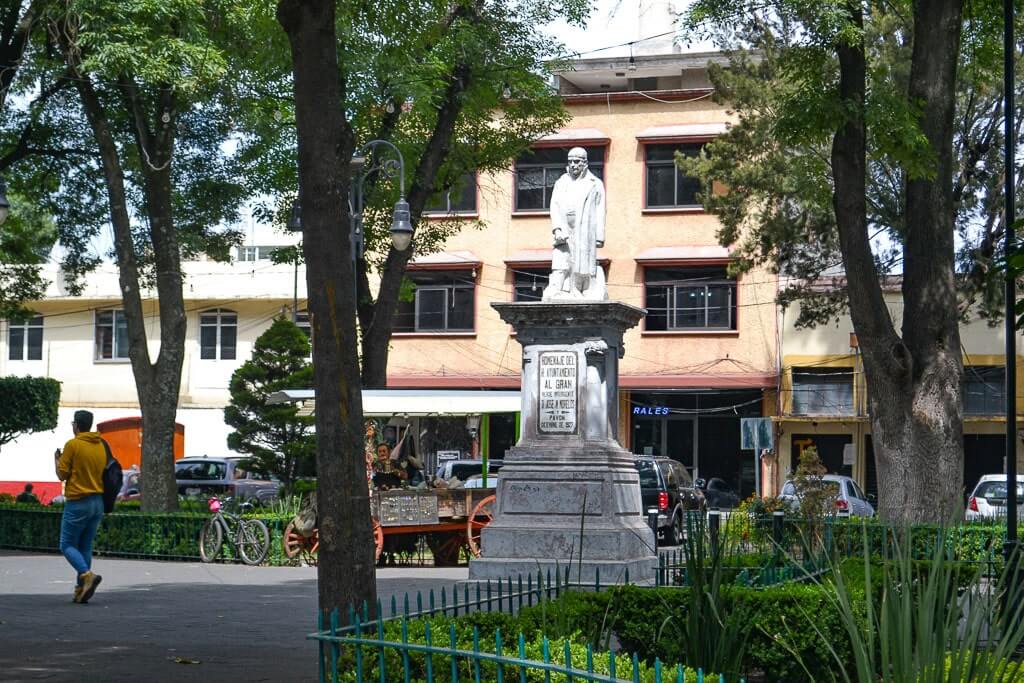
[
  {"x": 210, "y": 539},
  {"x": 253, "y": 541}
]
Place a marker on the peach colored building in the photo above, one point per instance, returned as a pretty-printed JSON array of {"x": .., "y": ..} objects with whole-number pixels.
[{"x": 706, "y": 354}]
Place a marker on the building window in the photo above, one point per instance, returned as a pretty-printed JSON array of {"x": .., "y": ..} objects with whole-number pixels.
[
  {"x": 696, "y": 298},
  {"x": 538, "y": 169},
  {"x": 250, "y": 253},
  {"x": 823, "y": 391},
  {"x": 218, "y": 334},
  {"x": 25, "y": 339},
  {"x": 443, "y": 301},
  {"x": 984, "y": 390},
  {"x": 460, "y": 199},
  {"x": 667, "y": 186},
  {"x": 111, "y": 335},
  {"x": 302, "y": 321},
  {"x": 529, "y": 283}
]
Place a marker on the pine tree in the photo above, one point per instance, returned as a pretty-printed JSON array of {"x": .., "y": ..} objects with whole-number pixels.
[{"x": 281, "y": 442}]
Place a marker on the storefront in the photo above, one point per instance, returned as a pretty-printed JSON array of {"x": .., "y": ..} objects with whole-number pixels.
[{"x": 699, "y": 428}]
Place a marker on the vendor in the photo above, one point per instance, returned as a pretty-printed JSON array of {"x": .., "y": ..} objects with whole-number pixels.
[{"x": 385, "y": 474}]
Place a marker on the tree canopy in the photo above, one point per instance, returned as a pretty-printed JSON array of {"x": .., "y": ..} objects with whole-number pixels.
[{"x": 30, "y": 405}]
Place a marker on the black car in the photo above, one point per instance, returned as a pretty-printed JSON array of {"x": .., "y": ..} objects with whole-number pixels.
[
  {"x": 666, "y": 488},
  {"x": 717, "y": 494}
]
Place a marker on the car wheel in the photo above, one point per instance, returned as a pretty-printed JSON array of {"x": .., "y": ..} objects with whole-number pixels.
[{"x": 674, "y": 533}]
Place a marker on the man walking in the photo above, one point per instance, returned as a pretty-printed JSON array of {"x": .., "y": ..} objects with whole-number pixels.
[{"x": 80, "y": 466}]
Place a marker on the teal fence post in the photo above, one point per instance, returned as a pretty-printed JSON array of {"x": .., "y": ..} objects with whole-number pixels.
[
  {"x": 497, "y": 652},
  {"x": 547, "y": 657},
  {"x": 522, "y": 655},
  {"x": 453, "y": 644},
  {"x": 430, "y": 655},
  {"x": 476, "y": 655},
  {"x": 359, "y": 649},
  {"x": 380, "y": 656},
  {"x": 490, "y": 607},
  {"x": 431, "y": 602},
  {"x": 636, "y": 669},
  {"x": 519, "y": 589},
  {"x": 590, "y": 658}
]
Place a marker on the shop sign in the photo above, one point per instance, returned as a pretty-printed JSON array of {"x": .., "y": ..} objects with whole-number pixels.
[{"x": 650, "y": 410}]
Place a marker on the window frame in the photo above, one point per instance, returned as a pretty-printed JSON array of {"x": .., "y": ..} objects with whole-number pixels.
[
  {"x": 541, "y": 276},
  {"x": 673, "y": 288},
  {"x": 33, "y": 327},
  {"x": 556, "y": 167},
  {"x": 676, "y": 176},
  {"x": 219, "y": 326},
  {"x": 994, "y": 403},
  {"x": 446, "y": 280},
  {"x": 822, "y": 374},
  {"x": 447, "y": 194},
  {"x": 116, "y": 314}
]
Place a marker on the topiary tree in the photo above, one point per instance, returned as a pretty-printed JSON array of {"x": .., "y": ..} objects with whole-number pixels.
[
  {"x": 281, "y": 442},
  {"x": 30, "y": 405}
]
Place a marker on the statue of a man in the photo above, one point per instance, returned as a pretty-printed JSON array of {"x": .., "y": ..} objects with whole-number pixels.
[{"x": 577, "y": 222}]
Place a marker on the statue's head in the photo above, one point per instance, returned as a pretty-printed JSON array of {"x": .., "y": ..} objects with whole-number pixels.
[{"x": 577, "y": 164}]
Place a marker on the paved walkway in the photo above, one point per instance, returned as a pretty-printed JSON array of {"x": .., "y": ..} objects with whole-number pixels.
[{"x": 149, "y": 619}]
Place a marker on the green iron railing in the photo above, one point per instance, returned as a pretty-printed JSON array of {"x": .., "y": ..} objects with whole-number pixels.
[{"x": 362, "y": 651}]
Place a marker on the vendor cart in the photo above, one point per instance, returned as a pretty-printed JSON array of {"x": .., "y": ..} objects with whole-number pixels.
[{"x": 449, "y": 520}]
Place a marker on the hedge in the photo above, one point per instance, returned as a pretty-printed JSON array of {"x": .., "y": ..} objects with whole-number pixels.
[{"x": 158, "y": 536}]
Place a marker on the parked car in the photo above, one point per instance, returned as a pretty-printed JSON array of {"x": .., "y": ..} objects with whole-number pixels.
[
  {"x": 988, "y": 499},
  {"x": 131, "y": 485},
  {"x": 717, "y": 494},
  {"x": 667, "y": 489},
  {"x": 206, "y": 476},
  {"x": 464, "y": 469},
  {"x": 848, "y": 496},
  {"x": 477, "y": 481}
]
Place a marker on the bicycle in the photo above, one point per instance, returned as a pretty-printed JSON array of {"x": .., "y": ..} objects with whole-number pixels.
[{"x": 250, "y": 537}]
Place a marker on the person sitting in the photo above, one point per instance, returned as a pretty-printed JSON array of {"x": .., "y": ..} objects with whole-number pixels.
[
  {"x": 385, "y": 474},
  {"x": 27, "y": 496}
]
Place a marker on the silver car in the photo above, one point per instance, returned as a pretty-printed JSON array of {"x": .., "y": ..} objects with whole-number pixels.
[
  {"x": 988, "y": 499},
  {"x": 849, "y": 497}
]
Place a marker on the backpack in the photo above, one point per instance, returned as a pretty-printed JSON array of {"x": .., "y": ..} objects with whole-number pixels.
[{"x": 113, "y": 478}]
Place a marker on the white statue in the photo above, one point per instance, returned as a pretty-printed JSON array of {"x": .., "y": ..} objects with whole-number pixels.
[{"x": 577, "y": 221}]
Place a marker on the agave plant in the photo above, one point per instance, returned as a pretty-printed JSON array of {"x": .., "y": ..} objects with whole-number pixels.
[{"x": 918, "y": 621}]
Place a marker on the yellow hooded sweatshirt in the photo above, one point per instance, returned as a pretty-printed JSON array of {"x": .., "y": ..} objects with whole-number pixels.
[{"x": 81, "y": 465}]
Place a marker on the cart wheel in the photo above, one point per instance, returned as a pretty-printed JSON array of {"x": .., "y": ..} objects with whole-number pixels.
[
  {"x": 480, "y": 517},
  {"x": 446, "y": 547},
  {"x": 310, "y": 547},
  {"x": 378, "y": 540},
  {"x": 293, "y": 541}
]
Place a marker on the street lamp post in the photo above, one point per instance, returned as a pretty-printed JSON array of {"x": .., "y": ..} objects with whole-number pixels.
[{"x": 401, "y": 225}]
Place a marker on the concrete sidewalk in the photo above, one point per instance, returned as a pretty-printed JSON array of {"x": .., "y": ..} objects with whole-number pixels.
[{"x": 148, "y": 620}]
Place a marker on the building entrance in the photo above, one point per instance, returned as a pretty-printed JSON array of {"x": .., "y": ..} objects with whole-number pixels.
[{"x": 674, "y": 436}]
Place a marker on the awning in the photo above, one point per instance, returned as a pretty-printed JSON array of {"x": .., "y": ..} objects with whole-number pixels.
[
  {"x": 683, "y": 131},
  {"x": 417, "y": 402},
  {"x": 445, "y": 260},
  {"x": 542, "y": 257},
  {"x": 577, "y": 136},
  {"x": 661, "y": 255}
]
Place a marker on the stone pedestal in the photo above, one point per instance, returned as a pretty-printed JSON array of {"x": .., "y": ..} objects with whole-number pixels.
[{"x": 568, "y": 487}]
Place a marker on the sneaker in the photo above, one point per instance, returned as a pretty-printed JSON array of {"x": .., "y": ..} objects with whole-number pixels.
[{"x": 89, "y": 583}]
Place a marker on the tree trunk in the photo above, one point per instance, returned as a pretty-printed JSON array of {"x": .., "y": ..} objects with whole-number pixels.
[
  {"x": 913, "y": 382},
  {"x": 325, "y": 142}
]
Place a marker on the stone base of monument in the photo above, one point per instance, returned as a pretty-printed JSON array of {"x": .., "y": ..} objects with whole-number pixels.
[{"x": 568, "y": 493}]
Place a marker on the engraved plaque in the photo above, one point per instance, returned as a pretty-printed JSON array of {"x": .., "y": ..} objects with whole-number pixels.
[{"x": 558, "y": 393}]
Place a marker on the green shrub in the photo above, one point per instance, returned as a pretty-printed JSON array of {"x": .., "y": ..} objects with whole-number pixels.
[{"x": 480, "y": 632}]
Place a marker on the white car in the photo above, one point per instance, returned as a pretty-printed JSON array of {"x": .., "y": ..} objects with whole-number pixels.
[
  {"x": 849, "y": 497},
  {"x": 988, "y": 499}
]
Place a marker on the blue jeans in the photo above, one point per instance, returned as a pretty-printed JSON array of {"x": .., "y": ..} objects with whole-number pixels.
[{"x": 78, "y": 529}]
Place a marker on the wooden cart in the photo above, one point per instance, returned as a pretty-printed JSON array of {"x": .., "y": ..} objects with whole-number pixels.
[{"x": 450, "y": 520}]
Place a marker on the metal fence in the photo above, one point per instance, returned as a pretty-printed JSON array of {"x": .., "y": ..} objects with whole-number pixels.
[
  {"x": 367, "y": 649},
  {"x": 134, "y": 534}
]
